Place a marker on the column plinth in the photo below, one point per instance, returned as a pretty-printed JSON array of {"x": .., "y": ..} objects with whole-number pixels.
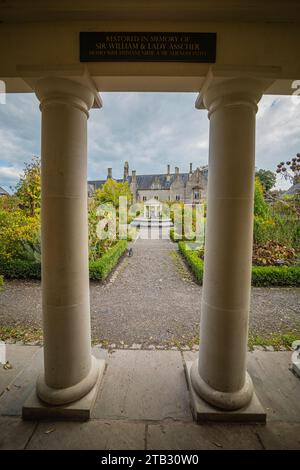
[{"x": 219, "y": 376}]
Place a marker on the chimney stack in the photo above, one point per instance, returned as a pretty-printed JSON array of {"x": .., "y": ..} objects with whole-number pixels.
[
  {"x": 191, "y": 168},
  {"x": 168, "y": 173},
  {"x": 126, "y": 170},
  {"x": 133, "y": 175},
  {"x": 109, "y": 173},
  {"x": 177, "y": 172}
]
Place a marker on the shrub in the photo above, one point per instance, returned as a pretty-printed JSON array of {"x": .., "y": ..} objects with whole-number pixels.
[
  {"x": 100, "y": 268},
  {"x": 19, "y": 236},
  {"x": 20, "y": 269},
  {"x": 1, "y": 281}
]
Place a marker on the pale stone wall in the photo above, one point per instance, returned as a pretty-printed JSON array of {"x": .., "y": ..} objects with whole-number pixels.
[{"x": 163, "y": 194}]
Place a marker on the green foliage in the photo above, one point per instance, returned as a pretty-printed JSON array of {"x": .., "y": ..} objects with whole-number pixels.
[
  {"x": 97, "y": 246},
  {"x": 261, "y": 208},
  {"x": 110, "y": 192},
  {"x": 282, "y": 224},
  {"x": 267, "y": 179},
  {"x": 20, "y": 269},
  {"x": 101, "y": 268},
  {"x": 1, "y": 281},
  {"x": 262, "y": 276},
  {"x": 28, "y": 189},
  {"x": 172, "y": 236},
  {"x": 268, "y": 276},
  {"x": 277, "y": 340},
  {"x": 193, "y": 260},
  {"x": 19, "y": 235}
]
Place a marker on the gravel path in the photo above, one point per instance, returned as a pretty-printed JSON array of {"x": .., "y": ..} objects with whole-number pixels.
[{"x": 151, "y": 299}]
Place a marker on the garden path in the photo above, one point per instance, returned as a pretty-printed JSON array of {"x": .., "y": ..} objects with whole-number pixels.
[{"x": 151, "y": 299}]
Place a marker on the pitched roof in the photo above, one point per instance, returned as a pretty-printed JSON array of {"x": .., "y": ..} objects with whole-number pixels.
[
  {"x": 3, "y": 192},
  {"x": 150, "y": 181}
]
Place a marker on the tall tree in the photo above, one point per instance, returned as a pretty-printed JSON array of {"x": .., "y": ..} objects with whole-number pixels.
[{"x": 267, "y": 178}]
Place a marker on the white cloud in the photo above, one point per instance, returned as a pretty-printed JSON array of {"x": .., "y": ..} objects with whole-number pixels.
[{"x": 149, "y": 130}]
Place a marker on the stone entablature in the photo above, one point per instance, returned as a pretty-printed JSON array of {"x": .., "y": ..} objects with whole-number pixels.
[{"x": 188, "y": 187}]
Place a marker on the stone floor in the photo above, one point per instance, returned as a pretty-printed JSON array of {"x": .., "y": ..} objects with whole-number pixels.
[
  {"x": 151, "y": 299},
  {"x": 143, "y": 403}
]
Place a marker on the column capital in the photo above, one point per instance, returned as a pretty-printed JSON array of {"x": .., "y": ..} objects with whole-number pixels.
[
  {"x": 233, "y": 92},
  {"x": 54, "y": 90}
]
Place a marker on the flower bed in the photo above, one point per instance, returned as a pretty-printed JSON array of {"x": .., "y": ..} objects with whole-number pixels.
[{"x": 262, "y": 276}]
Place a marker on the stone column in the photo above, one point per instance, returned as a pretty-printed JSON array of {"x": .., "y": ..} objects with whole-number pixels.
[
  {"x": 70, "y": 369},
  {"x": 219, "y": 376}
]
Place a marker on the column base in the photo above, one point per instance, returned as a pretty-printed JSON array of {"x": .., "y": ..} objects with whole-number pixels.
[
  {"x": 35, "y": 409},
  {"x": 204, "y": 412}
]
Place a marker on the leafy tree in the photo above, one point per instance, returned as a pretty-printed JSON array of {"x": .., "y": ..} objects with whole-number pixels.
[
  {"x": 267, "y": 178},
  {"x": 110, "y": 192},
  {"x": 28, "y": 189}
]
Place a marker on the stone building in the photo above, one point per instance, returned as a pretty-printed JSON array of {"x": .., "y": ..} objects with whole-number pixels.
[{"x": 186, "y": 187}]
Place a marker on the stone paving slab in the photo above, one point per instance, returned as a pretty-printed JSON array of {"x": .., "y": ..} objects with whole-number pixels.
[
  {"x": 13, "y": 398},
  {"x": 280, "y": 436},
  {"x": 277, "y": 388},
  {"x": 144, "y": 403},
  {"x": 148, "y": 385},
  {"x": 95, "y": 434},
  {"x": 14, "y": 433},
  {"x": 191, "y": 436},
  {"x": 18, "y": 356}
]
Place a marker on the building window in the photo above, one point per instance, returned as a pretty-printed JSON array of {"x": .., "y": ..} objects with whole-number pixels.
[
  {"x": 177, "y": 197},
  {"x": 196, "y": 195},
  {"x": 144, "y": 198},
  {"x": 156, "y": 197}
]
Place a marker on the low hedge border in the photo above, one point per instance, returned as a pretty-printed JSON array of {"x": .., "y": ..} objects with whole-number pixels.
[
  {"x": 195, "y": 263},
  {"x": 262, "y": 276},
  {"x": 99, "y": 269}
]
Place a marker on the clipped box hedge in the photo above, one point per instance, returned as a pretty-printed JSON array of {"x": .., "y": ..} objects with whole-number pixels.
[
  {"x": 285, "y": 276},
  {"x": 262, "y": 276},
  {"x": 195, "y": 263},
  {"x": 99, "y": 269}
]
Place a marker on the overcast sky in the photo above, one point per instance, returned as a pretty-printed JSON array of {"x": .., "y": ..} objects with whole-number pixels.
[{"x": 149, "y": 130}]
